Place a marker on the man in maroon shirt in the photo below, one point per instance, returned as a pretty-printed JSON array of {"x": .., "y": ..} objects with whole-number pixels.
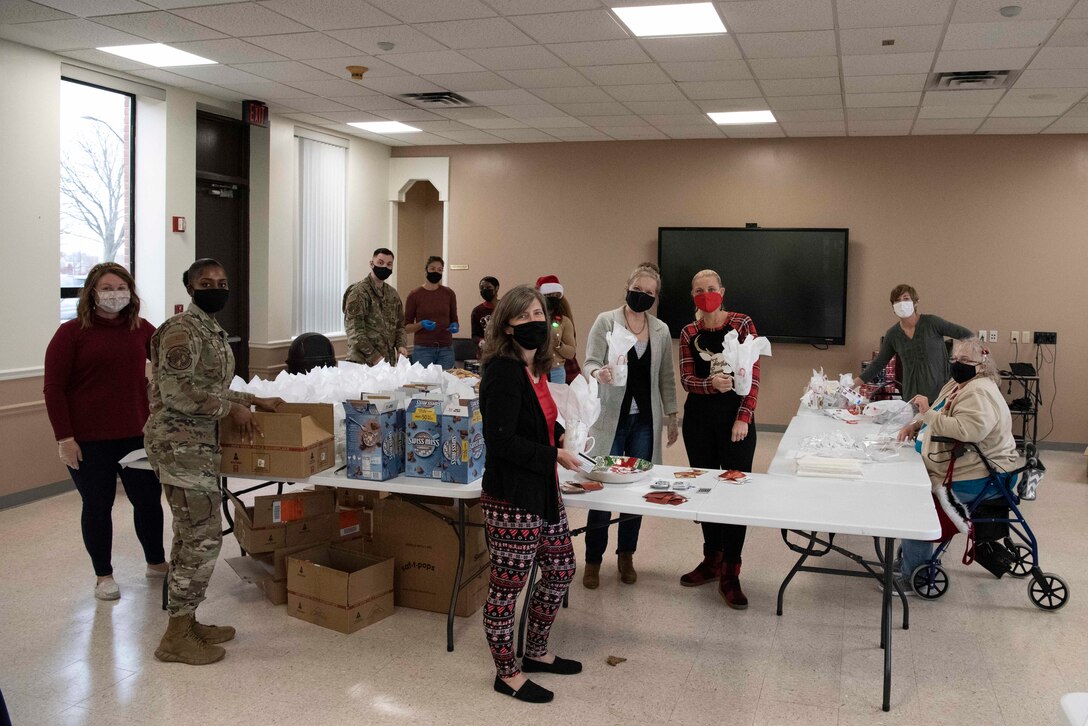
[{"x": 430, "y": 312}]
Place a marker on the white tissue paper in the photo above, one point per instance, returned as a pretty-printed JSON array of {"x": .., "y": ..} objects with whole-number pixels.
[
  {"x": 620, "y": 340},
  {"x": 742, "y": 356},
  {"x": 579, "y": 407},
  {"x": 893, "y": 413}
]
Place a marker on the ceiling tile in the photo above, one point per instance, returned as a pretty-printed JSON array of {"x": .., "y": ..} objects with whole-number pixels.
[
  {"x": 662, "y": 107},
  {"x": 160, "y": 76},
  {"x": 610, "y": 108},
  {"x": 425, "y": 139},
  {"x": 318, "y": 105},
  {"x": 516, "y": 97},
  {"x": 891, "y": 64},
  {"x": 348, "y": 117},
  {"x": 633, "y": 132},
  {"x": 688, "y": 119},
  {"x": 479, "y": 33},
  {"x": 768, "y": 16},
  {"x": 1060, "y": 58},
  {"x": 546, "y": 78},
  {"x": 529, "y": 112},
  {"x": 514, "y": 59},
  {"x": 962, "y": 98},
  {"x": 526, "y": 136},
  {"x": 229, "y": 50},
  {"x": 985, "y": 36},
  {"x": 879, "y": 128},
  {"x": 579, "y": 94},
  {"x": 91, "y": 8},
  {"x": 161, "y": 27},
  {"x": 106, "y": 60},
  {"x": 600, "y": 53},
  {"x": 787, "y": 103},
  {"x": 331, "y": 14},
  {"x": 464, "y": 114},
  {"x": 441, "y": 126},
  {"x": 870, "y": 100},
  {"x": 481, "y": 81},
  {"x": 265, "y": 90},
  {"x": 722, "y": 70},
  {"x": 892, "y": 13},
  {"x": 714, "y": 105},
  {"x": 241, "y": 19},
  {"x": 406, "y": 115},
  {"x": 1072, "y": 32},
  {"x": 884, "y": 84},
  {"x": 24, "y": 11},
  {"x": 306, "y": 118},
  {"x": 499, "y": 122},
  {"x": 692, "y": 132},
  {"x": 869, "y": 41},
  {"x": 285, "y": 71},
  {"x": 571, "y": 27},
  {"x": 1008, "y": 108},
  {"x": 1073, "y": 78},
  {"x": 649, "y": 92},
  {"x": 1081, "y": 109},
  {"x": 981, "y": 11},
  {"x": 963, "y": 125},
  {"x": 303, "y": 46},
  {"x": 960, "y": 111},
  {"x": 580, "y": 134},
  {"x": 983, "y": 60},
  {"x": 754, "y": 131},
  {"x": 800, "y": 86},
  {"x": 405, "y": 38},
  {"x": 816, "y": 128},
  {"x": 1080, "y": 10},
  {"x": 556, "y": 122},
  {"x": 374, "y": 102},
  {"x": 692, "y": 48},
  {"x": 788, "y": 45},
  {"x": 826, "y": 114},
  {"x": 1019, "y": 124},
  {"x": 439, "y": 61},
  {"x": 703, "y": 90},
  {"x": 1050, "y": 95},
  {"x": 816, "y": 67},
  {"x": 338, "y": 66},
  {"x": 473, "y": 137},
  {"x": 639, "y": 73},
  {"x": 1068, "y": 125},
  {"x": 424, "y": 11},
  {"x": 218, "y": 74},
  {"x": 67, "y": 35},
  {"x": 614, "y": 121},
  {"x": 332, "y": 88},
  {"x": 527, "y": 7},
  {"x": 882, "y": 114},
  {"x": 396, "y": 85}
]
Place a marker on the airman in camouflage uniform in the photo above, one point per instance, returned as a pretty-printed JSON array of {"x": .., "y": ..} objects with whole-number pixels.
[{"x": 374, "y": 315}]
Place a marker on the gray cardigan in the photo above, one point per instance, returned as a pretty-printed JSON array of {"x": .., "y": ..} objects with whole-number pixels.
[{"x": 662, "y": 395}]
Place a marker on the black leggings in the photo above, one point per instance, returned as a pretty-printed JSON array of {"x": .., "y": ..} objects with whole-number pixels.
[
  {"x": 96, "y": 480},
  {"x": 708, "y": 431}
]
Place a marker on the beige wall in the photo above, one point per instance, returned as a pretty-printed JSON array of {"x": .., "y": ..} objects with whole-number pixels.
[{"x": 989, "y": 229}]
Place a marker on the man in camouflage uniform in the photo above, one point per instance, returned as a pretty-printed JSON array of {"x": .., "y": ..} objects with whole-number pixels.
[
  {"x": 192, "y": 366},
  {"x": 374, "y": 315}
]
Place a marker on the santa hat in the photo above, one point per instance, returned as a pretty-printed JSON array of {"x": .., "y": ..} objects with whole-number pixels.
[{"x": 549, "y": 284}]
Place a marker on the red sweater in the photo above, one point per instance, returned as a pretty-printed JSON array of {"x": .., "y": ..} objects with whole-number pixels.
[
  {"x": 95, "y": 382},
  {"x": 438, "y": 305}
]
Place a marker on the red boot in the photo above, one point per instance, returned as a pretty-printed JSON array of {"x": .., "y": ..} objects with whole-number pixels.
[
  {"x": 708, "y": 570},
  {"x": 729, "y": 586}
]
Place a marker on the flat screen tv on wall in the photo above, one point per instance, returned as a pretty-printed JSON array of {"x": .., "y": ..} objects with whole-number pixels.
[{"x": 792, "y": 282}]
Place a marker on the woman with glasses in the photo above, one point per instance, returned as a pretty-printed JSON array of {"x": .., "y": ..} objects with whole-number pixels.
[
  {"x": 633, "y": 411},
  {"x": 96, "y": 396}
]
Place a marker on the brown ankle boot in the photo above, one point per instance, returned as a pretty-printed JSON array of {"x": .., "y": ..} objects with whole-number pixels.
[
  {"x": 626, "y": 563},
  {"x": 181, "y": 645},
  {"x": 213, "y": 634},
  {"x": 729, "y": 586},
  {"x": 709, "y": 570},
  {"x": 591, "y": 576}
]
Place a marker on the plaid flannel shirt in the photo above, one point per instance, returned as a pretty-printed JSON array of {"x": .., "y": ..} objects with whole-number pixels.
[{"x": 694, "y": 384}]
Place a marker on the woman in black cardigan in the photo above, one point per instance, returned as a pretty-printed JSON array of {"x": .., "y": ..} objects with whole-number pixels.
[{"x": 523, "y": 514}]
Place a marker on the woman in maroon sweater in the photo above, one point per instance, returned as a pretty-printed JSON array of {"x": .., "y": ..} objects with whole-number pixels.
[{"x": 96, "y": 396}]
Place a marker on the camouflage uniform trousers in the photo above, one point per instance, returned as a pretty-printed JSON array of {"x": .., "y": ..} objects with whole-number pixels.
[{"x": 198, "y": 535}]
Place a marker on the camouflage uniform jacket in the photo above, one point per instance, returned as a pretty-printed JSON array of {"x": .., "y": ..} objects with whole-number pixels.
[
  {"x": 374, "y": 322},
  {"x": 191, "y": 369}
]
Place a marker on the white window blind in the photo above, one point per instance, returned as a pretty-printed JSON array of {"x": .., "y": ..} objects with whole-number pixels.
[{"x": 322, "y": 234}]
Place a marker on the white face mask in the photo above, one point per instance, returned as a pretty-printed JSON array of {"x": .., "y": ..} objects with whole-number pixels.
[
  {"x": 113, "y": 301},
  {"x": 903, "y": 308}
]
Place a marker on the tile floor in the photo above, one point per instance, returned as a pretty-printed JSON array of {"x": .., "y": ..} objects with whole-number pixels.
[{"x": 981, "y": 655}]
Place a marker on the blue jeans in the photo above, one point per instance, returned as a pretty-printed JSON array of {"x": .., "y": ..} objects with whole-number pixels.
[
  {"x": 558, "y": 374},
  {"x": 428, "y": 354},
  {"x": 634, "y": 437}
]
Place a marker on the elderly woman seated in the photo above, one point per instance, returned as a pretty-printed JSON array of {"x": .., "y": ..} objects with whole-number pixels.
[{"x": 969, "y": 408}]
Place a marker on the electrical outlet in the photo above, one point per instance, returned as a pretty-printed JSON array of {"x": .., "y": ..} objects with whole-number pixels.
[
  {"x": 982, "y": 335},
  {"x": 1046, "y": 338},
  {"x": 993, "y": 336},
  {"x": 1015, "y": 336}
]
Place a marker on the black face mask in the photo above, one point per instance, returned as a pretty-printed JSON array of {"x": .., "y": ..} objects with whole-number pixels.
[
  {"x": 487, "y": 294},
  {"x": 639, "y": 301},
  {"x": 212, "y": 300},
  {"x": 531, "y": 335},
  {"x": 963, "y": 372},
  {"x": 434, "y": 277},
  {"x": 382, "y": 273}
]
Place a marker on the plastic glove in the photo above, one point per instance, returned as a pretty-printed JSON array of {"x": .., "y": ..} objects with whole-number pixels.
[
  {"x": 428, "y": 324},
  {"x": 454, "y": 328}
]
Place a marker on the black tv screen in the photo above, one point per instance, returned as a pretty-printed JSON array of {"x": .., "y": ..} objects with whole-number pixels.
[{"x": 792, "y": 282}]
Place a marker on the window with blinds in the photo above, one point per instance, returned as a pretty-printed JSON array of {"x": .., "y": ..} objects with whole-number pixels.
[{"x": 322, "y": 235}]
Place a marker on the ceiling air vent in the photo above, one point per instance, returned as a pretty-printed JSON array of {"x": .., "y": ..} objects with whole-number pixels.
[
  {"x": 437, "y": 99},
  {"x": 971, "y": 80}
]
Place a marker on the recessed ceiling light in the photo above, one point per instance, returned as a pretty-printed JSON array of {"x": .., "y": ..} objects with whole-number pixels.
[
  {"x": 733, "y": 118},
  {"x": 158, "y": 55},
  {"x": 385, "y": 127},
  {"x": 1010, "y": 11},
  {"x": 658, "y": 20}
]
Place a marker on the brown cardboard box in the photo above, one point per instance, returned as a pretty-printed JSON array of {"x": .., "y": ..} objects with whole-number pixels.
[
  {"x": 287, "y": 520},
  {"x": 297, "y": 442},
  {"x": 339, "y": 588},
  {"x": 425, "y": 550},
  {"x": 267, "y": 571},
  {"x": 351, "y": 497},
  {"x": 355, "y": 523}
]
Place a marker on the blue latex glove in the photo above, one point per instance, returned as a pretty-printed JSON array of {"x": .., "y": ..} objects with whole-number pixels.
[
  {"x": 428, "y": 324},
  {"x": 454, "y": 328}
]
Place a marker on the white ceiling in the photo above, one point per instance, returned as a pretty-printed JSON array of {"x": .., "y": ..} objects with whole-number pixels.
[{"x": 567, "y": 70}]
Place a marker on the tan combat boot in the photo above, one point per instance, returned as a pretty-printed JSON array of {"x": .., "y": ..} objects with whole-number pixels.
[
  {"x": 213, "y": 633},
  {"x": 591, "y": 576},
  {"x": 181, "y": 644},
  {"x": 625, "y": 561}
]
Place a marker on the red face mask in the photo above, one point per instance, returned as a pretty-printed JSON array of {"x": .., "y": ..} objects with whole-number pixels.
[{"x": 709, "y": 302}]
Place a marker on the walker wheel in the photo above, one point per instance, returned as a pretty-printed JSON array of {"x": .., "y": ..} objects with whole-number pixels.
[
  {"x": 1023, "y": 560},
  {"x": 1048, "y": 591},
  {"x": 926, "y": 588}
]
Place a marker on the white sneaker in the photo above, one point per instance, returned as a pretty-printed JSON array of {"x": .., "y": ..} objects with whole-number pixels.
[
  {"x": 152, "y": 573},
  {"x": 107, "y": 590}
]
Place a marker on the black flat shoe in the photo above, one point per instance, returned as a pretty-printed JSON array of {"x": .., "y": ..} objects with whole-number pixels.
[
  {"x": 562, "y": 666},
  {"x": 529, "y": 692}
]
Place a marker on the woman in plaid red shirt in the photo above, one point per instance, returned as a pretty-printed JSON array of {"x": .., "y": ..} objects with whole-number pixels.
[{"x": 719, "y": 425}]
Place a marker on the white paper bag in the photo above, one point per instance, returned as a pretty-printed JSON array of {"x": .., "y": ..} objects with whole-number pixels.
[
  {"x": 620, "y": 340},
  {"x": 742, "y": 356}
]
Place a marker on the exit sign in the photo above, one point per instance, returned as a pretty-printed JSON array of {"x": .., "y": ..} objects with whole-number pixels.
[{"x": 255, "y": 113}]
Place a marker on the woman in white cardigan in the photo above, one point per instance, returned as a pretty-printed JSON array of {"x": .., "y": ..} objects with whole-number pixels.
[{"x": 634, "y": 413}]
